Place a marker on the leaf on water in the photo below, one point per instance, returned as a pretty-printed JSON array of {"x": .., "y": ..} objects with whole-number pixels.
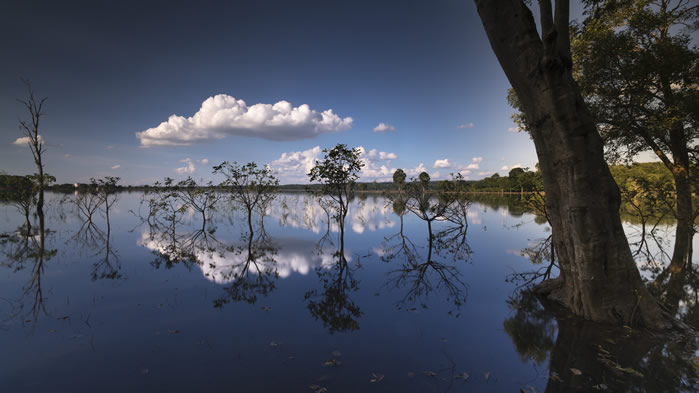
[
  {"x": 601, "y": 386},
  {"x": 337, "y": 354},
  {"x": 331, "y": 362},
  {"x": 274, "y": 344},
  {"x": 486, "y": 375},
  {"x": 554, "y": 377},
  {"x": 318, "y": 388},
  {"x": 376, "y": 378},
  {"x": 430, "y": 373},
  {"x": 463, "y": 376},
  {"x": 575, "y": 371},
  {"x": 609, "y": 340}
]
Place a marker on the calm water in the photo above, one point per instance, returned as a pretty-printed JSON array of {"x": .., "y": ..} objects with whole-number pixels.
[{"x": 139, "y": 307}]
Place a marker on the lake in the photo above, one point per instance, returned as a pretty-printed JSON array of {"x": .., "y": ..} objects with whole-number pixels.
[{"x": 146, "y": 304}]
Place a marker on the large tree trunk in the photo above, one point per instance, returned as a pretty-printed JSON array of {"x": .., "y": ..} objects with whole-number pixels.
[{"x": 599, "y": 279}]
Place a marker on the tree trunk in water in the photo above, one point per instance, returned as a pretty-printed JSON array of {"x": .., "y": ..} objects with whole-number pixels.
[{"x": 598, "y": 277}]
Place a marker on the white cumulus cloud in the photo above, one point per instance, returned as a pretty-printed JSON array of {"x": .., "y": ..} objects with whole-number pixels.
[
  {"x": 204, "y": 161},
  {"x": 25, "y": 139},
  {"x": 441, "y": 164},
  {"x": 223, "y": 115},
  {"x": 187, "y": 169},
  {"x": 384, "y": 127},
  {"x": 116, "y": 166}
]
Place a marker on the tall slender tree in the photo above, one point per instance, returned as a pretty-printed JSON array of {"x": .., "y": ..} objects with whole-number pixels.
[{"x": 30, "y": 128}]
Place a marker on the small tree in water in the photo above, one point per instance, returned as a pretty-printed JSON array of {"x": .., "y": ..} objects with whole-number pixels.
[
  {"x": 249, "y": 185},
  {"x": 338, "y": 173}
]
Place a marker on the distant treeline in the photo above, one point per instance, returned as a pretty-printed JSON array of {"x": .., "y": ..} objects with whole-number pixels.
[{"x": 517, "y": 180}]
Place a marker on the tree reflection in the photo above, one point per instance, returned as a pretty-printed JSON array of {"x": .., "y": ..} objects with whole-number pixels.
[
  {"x": 422, "y": 277},
  {"x": 334, "y": 306},
  {"x": 252, "y": 270},
  {"x": 584, "y": 356},
  {"x": 22, "y": 248}
]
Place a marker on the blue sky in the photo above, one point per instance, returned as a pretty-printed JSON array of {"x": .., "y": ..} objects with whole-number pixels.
[{"x": 424, "y": 69}]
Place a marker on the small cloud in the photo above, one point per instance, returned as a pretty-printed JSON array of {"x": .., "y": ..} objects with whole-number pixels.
[
  {"x": 435, "y": 175},
  {"x": 514, "y": 129},
  {"x": 384, "y": 127},
  {"x": 188, "y": 169},
  {"x": 465, "y": 173},
  {"x": 204, "y": 161},
  {"x": 505, "y": 168},
  {"x": 441, "y": 164},
  {"x": 25, "y": 139},
  {"x": 466, "y": 125},
  {"x": 110, "y": 147},
  {"x": 484, "y": 173},
  {"x": 117, "y": 166},
  {"x": 476, "y": 159}
]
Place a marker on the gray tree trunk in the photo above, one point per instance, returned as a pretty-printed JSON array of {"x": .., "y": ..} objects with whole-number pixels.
[{"x": 599, "y": 279}]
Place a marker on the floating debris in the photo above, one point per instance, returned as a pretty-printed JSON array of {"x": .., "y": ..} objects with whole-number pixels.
[
  {"x": 331, "y": 362},
  {"x": 575, "y": 371},
  {"x": 376, "y": 378},
  {"x": 486, "y": 375},
  {"x": 430, "y": 373},
  {"x": 274, "y": 344},
  {"x": 554, "y": 377},
  {"x": 463, "y": 376}
]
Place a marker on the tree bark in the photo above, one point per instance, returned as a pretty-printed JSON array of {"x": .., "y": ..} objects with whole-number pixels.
[{"x": 599, "y": 279}]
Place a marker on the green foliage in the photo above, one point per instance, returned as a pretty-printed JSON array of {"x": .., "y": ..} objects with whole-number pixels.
[
  {"x": 399, "y": 178},
  {"x": 338, "y": 173},
  {"x": 248, "y": 184}
]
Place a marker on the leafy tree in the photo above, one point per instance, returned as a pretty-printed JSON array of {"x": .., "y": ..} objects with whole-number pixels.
[
  {"x": 338, "y": 173},
  {"x": 248, "y": 185},
  {"x": 21, "y": 192},
  {"x": 201, "y": 199},
  {"x": 582, "y": 198},
  {"x": 639, "y": 71}
]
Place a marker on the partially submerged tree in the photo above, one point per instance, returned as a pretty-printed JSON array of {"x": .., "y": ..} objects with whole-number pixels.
[
  {"x": 338, "y": 173},
  {"x": 249, "y": 185},
  {"x": 599, "y": 279},
  {"x": 35, "y": 142},
  {"x": 21, "y": 192},
  {"x": 638, "y": 71}
]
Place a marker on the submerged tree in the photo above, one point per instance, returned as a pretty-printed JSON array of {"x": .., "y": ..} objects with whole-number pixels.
[
  {"x": 21, "y": 192},
  {"x": 35, "y": 142},
  {"x": 638, "y": 72},
  {"x": 337, "y": 173},
  {"x": 599, "y": 279},
  {"x": 248, "y": 185}
]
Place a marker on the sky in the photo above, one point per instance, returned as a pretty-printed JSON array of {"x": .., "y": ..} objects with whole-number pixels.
[{"x": 147, "y": 90}]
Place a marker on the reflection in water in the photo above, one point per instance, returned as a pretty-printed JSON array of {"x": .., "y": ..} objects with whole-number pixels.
[
  {"x": 420, "y": 278},
  {"x": 334, "y": 306},
  {"x": 22, "y": 248},
  {"x": 592, "y": 357}
]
